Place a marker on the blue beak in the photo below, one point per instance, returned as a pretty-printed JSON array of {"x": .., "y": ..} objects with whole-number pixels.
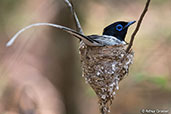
[{"x": 129, "y": 23}]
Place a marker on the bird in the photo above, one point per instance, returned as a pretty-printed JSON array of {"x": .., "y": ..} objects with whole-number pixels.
[{"x": 113, "y": 34}]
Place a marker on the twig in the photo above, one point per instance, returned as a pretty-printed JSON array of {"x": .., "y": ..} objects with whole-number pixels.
[
  {"x": 78, "y": 25},
  {"x": 138, "y": 25}
]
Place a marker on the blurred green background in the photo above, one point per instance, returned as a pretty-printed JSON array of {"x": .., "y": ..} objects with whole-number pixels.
[{"x": 41, "y": 72}]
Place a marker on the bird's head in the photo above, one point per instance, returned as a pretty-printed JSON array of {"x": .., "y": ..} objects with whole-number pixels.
[{"x": 118, "y": 29}]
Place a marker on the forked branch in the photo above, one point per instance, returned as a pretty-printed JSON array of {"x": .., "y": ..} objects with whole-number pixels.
[{"x": 138, "y": 25}]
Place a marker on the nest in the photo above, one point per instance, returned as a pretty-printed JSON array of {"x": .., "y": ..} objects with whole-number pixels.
[{"x": 103, "y": 68}]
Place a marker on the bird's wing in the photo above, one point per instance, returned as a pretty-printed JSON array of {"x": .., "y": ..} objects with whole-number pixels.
[
  {"x": 106, "y": 40},
  {"x": 87, "y": 39},
  {"x": 77, "y": 34}
]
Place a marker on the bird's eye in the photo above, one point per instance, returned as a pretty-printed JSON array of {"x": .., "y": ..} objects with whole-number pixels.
[{"x": 119, "y": 27}]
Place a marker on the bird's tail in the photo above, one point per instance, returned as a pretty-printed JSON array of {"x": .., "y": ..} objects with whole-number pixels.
[{"x": 66, "y": 29}]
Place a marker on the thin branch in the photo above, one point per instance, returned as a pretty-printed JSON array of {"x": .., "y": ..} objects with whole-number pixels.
[
  {"x": 138, "y": 25},
  {"x": 78, "y": 25}
]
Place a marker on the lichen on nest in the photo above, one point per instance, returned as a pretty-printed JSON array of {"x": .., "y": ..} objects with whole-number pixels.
[{"x": 103, "y": 68}]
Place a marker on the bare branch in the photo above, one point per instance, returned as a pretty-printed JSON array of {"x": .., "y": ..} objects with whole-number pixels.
[
  {"x": 78, "y": 25},
  {"x": 138, "y": 25}
]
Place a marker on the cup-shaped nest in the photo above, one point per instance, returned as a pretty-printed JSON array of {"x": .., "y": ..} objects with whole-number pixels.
[{"x": 103, "y": 68}]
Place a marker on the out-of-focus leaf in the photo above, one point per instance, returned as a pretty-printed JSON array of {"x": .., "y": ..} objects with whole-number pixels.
[
  {"x": 158, "y": 80},
  {"x": 161, "y": 81}
]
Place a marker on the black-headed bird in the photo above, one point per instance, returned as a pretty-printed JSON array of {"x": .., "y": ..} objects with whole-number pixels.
[{"x": 112, "y": 35}]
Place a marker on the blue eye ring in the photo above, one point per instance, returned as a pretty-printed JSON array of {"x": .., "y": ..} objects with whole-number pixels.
[{"x": 119, "y": 27}]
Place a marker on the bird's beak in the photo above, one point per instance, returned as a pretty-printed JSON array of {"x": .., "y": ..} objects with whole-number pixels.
[{"x": 129, "y": 23}]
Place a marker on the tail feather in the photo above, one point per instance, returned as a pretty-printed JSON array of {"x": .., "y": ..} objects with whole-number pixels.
[{"x": 66, "y": 29}]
